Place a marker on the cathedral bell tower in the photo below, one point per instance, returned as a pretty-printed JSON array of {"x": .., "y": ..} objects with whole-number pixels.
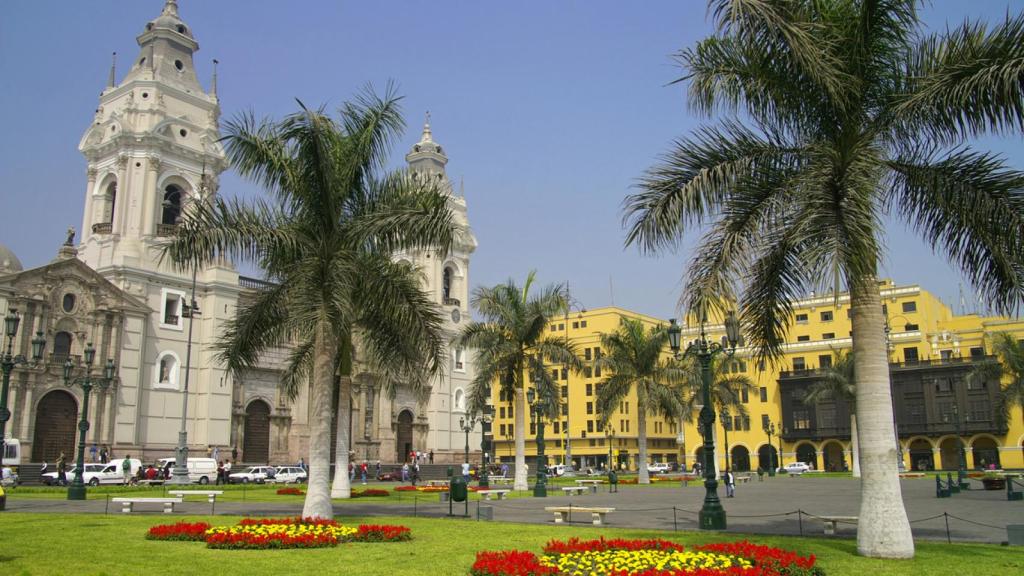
[{"x": 152, "y": 148}]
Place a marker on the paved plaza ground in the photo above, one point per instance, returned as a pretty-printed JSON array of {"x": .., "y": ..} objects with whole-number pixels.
[{"x": 769, "y": 507}]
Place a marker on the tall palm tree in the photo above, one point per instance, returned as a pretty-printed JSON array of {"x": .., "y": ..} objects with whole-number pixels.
[
  {"x": 326, "y": 242},
  {"x": 633, "y": 358},
  {"x": 840, "y": 113},
  {"x": 511, "y": 345},
  {"x": 838, "y": 382},
  {"x": 728, "y": 386},
  {"x": 1008, "y": 363}
]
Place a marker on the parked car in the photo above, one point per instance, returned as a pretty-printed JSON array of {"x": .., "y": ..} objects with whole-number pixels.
[
  {"x": 795, "y": 468},
  {"x": 659, "y": 468},
  {"x": 95, "y": 474},
  {"x": 290, "y": 474},
  {"x": 392, "y": 476},
  {"x": 201, "y": 470},
  {"x": 257, "y": 474}
]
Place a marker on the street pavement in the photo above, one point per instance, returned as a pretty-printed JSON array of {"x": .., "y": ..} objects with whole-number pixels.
[{"x": 781, "y": 505}]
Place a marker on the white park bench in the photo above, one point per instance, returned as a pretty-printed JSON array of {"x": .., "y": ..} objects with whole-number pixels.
[
  {"x": 596, "y": 513},
  {"x": 487, "y": 493},
  {"x": 211, "y": 495},
  {"x": 437, "y": 483},
  {"x": 831, "y": 521},
  {"x": 575, "y": 490},
  {"x": 592, "y": 484},
  {"x": 128, "y": 503},
  {"x": 743, "y": 479}
]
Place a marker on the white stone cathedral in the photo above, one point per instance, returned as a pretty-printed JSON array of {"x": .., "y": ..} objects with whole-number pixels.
[{"x": 153, "y": 148}]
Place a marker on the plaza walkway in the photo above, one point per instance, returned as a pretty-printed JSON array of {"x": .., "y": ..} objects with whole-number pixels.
[{"x": 781, "y": 505}]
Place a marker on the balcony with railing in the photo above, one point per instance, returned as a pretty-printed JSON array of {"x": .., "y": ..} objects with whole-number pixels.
[
  {"x": 166, "y": 229},
  {"x": 451, "y": 302},
  {"x": 254, "y": 283},
  {"x": 102, "y": 228}
]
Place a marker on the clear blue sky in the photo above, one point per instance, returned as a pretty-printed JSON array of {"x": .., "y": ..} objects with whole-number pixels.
[{"x": 549, "y": 112}]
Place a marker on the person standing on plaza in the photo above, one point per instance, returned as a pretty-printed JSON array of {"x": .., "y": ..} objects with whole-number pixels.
[
  {"x": 93, "y": 453},
  {"x": 62, "y": 478},
  {"x": 730, "y": 483},
  {"x": 362, "y": 471},
  {"x": 103, "y": 454},
  {"x": 216, "y": 453},
  {"x": 126, "y": 469},
  {"x": 431, "y": 454},
  {"x": 405, "y": 472}
]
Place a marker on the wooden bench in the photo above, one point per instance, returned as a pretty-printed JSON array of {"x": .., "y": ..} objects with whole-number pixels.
[
  {"x": 487, "y": 493},
  {"x": 596, "y": 513},
  {"x": 742, "y": 479},
  {"x": 831, "y": 521},
  {"x": 577, "y": 490},
  {"x": 128, "y": 503},
  {"x": 211, "y": 495}
]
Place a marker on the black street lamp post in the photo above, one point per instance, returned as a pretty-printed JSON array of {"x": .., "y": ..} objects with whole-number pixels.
[
  {"x": 609, "y": 434},
  {"x": 76, "y": 491},
  {"x": 769, "y": 429},
  {"x": 726, "y": 423},
  {"x": 539, "y": 406},
  {"x": 467, "y": 425},
  {"x": 961, "y": 472},
  {"x": 7, "y": 364},
  {"x": 179, "y": 474},
  {"x": 712, "y": 514}
]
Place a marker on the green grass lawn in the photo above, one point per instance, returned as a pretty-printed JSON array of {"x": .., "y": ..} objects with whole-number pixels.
[{"x": 86, "y": 544}]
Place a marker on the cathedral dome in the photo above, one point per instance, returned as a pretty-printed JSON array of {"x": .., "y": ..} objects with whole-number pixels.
[{"x": 8, "y": 261}]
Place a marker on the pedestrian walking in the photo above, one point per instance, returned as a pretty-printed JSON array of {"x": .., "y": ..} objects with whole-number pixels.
[
  {"x": 62, "y": 478},
  {"x": 362, "y": 470},
  {"x": 351, "y": 472},
  {"x": 103, "y": 454},
  {"x": 93, "y": 453},
  {"x": 405, "y": 472},
  {"x": 216, "y": 453},
  {"x": 378, "y": 470},
  {"x": 431, "y": 453},
  {"x": 730, "y": 483}
]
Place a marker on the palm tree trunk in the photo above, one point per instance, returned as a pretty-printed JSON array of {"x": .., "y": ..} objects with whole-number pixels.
[
  {"x": 318, "y": 495},
  {"x": 520, "y": 479},
  {"x": 883, "y": 530},
  {"x": 341, "y": 487},
  {"x": 641, "y": 423},
  {"x": 854, "y": 445}
]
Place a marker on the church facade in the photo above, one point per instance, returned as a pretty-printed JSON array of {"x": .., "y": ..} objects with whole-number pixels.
[{"x": 152, "y": 148}]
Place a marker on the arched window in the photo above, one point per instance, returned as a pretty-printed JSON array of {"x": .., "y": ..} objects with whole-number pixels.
[
  {"x": 109, "y": 199},
  {"x": 460, "y": 400},
  {"x": 446, "y": 284},
  {"x": 61, "y": 346},
  {"x": 171, "y": 205}
]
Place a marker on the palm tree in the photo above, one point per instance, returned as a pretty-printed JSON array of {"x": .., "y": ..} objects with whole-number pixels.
[
  {"x": 510, "y": 344},
  {"x": 728, "y": 386},
  {"x": 326, "y": 243},
  {"x": 838, "y": 382},
  {"x": 1008, "y": 362},
  {"x": 838, "y": 114},
  {"x": 633, "y": 358}
]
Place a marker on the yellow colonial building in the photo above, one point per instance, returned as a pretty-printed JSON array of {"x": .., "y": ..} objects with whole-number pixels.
[{"x": 931, "y": 352}]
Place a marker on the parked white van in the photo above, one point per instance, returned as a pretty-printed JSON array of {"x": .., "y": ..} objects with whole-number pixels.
[{"x": 201, "y": 470}]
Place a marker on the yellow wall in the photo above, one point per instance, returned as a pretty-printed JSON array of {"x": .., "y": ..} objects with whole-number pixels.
[{"x": 919, "y": 322}]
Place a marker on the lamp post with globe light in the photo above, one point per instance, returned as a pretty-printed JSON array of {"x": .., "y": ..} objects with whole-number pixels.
[
  {"x": 7, "y": 363},
  {"x": 712, "y": 514},
  {"x": 76, "y": 491}
]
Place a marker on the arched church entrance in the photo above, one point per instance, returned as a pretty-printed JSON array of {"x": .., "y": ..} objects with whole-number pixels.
[
  {"x": 767, "y": 457},
  {"x": 740, "y": 459},
  {"x": 985, "y": 452},
  {"x": 404, "y": 442},
  {"x": 834, "y": 459},
  {"x": 949, "y": 453},
  {"x": 921, "y": 456},
  {"x": 56, "y": 418},
  {"x": 256, "y": 447},
  {"x": 807, "y": 454}
]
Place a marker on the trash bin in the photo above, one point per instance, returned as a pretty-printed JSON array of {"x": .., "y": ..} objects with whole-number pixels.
[
  {"x": 1015, "y": 534},
  {"x": 457, "y": 489}
]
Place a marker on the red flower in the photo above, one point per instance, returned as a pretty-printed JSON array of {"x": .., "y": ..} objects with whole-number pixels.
[
  {"x": 178, "y": 531},
  {"x": 382, "y": 533},
  {"x": 509, "y": 563},
  {"x": 296, "y": 520},
  {"x": 289, "y": 492},
  {"x": 370, "y": 492}
]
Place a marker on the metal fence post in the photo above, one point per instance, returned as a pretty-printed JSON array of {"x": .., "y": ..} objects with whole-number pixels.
[
  {"x": 949, "y": 539},
  {"x": 675, "y": 526},
  {"x": 800, "y": 520}
]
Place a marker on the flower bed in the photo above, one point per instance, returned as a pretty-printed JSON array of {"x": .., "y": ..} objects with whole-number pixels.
[
  {"x": 370, "y": 493},
  {"x": 645, "y": 558},
  {"x": 195, "y": 532},
  {"x": 265, "y": 533},
  {"x": 290, "y": 492}
]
